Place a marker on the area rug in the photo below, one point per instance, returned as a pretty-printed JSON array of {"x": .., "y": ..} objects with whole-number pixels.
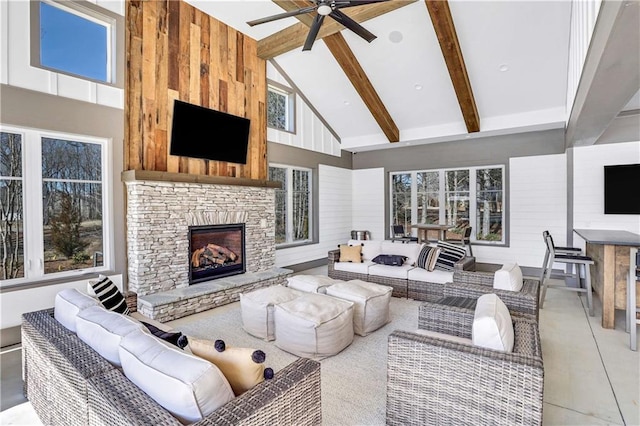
[{"x": 353, "y": 381}]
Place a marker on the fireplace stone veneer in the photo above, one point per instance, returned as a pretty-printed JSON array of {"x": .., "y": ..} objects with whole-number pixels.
[{"x": 160, "y": 212}]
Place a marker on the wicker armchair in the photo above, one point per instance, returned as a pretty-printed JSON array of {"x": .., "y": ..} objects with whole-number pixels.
[
  {"x": 475, "y": 284},
  {"x": 431, "y": 380}
]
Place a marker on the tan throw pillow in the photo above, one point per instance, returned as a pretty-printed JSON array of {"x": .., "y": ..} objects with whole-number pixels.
[
  {"x": 350, "y": 253},
  {"x": 243, "y": 367}
]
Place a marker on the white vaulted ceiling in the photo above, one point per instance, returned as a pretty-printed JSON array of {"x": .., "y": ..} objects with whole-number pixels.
[{"x": 516, "y": 55}]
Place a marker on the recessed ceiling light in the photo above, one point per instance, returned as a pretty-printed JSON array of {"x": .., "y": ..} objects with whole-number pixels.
[
  {"x": 503, "y": 68},
  {"x": 347, "y": 103},
  {"x": 418, "y": 86},
  {"x": 395, "y": 36}
]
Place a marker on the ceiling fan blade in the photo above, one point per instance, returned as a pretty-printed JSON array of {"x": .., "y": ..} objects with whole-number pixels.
[
  {"x": 313, "y": 32},
  {"x": 352, "y": 25},
  {"x": 352, "y": 3},
  {"x": 282, "y": 15}
]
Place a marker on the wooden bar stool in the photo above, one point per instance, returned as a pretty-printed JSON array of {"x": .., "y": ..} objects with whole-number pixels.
[{"x": 577, "y": 261}]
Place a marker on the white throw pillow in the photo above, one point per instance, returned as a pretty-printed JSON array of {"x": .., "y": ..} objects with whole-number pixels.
[
  {"x": 68, "y": 303},
  {"x": 103, "y": 330},
  {"x": 492, "y": 326},
  {"x": 188, "y": 387},
  {"x": 509, "y": 277}
]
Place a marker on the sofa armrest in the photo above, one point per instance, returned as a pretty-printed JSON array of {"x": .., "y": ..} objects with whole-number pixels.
[
  {"x": 446, "y": 319},
  {"x": 467, "y": 263},
  {"x": 472, "y": 277},
  {"x": 334, "y": 256}
]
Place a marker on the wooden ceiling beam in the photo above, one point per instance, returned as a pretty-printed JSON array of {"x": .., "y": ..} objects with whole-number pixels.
[
  {"x": 448, "y": 39},
  {"x": 353, "y": 70},
  {"x": 294, "y": 36}
]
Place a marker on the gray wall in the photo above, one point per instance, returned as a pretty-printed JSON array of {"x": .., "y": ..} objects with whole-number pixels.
[{"x": 20, "y": 107}]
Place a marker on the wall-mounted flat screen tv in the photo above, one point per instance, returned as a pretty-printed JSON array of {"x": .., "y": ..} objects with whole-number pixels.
[
  {"x": 622, "y": 189},
  {"x": 199, "y": 132}
]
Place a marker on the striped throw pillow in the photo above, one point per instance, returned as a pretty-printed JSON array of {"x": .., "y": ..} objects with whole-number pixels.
[
  {"x": 109, "y": 295},
  {"x": 428, "y": 257},
  {"x": 449, "y": 255}
]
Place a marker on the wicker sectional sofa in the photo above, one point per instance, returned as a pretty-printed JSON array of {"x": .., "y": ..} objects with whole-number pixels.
[
  {"x": 406, "y": 280},
  {"x": 68, "y": 383}
]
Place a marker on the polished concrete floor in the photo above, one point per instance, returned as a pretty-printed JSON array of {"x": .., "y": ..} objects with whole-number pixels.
[{"x": 591, "y": 375}]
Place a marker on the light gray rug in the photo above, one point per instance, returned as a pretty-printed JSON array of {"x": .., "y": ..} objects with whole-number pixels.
[{"x": 353, "y": 381}]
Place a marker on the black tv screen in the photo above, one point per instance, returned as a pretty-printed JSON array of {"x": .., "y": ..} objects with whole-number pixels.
[
  {"x": 622, "y": 189},
  {"x": 199, "y": 132}
]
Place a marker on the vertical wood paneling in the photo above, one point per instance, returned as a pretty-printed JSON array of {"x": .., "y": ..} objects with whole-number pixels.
[{"x": 175, "y": 51}]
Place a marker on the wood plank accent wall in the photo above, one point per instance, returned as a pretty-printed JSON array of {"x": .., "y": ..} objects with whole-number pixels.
[{"x": 175, "y": 51}]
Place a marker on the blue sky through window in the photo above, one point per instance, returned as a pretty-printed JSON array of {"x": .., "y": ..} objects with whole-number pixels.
[{"x": 72, "y": 44}]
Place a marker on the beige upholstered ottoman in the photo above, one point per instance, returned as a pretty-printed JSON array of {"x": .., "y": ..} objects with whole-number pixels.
[
  {"x": 311, "y": 283},
  {"x": 257, "y": 309},
  {"x": 371, "y": 310},
  {"x": 314, "y": 325}
]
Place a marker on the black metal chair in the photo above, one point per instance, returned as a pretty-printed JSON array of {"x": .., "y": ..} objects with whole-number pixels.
[{"x": 398, "y": 234}]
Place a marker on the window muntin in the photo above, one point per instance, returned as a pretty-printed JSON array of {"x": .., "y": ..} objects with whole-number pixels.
[
  {"x": 293, "y": 204},
  {"x": 11, "y": 207},
  {"x": 75, "y": 42},
  {"x": 280, "y": 109},
  {"x": 66, "y": 181},
  {"x": 458, "y": 197}
]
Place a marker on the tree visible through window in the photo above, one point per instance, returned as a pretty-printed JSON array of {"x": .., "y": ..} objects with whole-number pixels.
[
  {"x": 280, "y": 109},
  {"x": 11, "y": 220},
  {"x": 293, "y": 204},
  {"x": 489, "y": 204}
]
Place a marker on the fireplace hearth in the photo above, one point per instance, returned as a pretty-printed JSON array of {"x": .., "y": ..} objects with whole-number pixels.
[{"x": 216, "y": 251}]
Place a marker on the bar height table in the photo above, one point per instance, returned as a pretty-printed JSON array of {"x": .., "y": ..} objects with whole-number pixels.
[{"x": 610, "y": 251}]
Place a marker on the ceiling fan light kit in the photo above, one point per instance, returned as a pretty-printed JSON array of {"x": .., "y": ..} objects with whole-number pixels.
[{"x": 325, "y": 8}]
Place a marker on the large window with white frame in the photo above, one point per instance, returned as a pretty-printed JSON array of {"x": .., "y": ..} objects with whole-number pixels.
[
  {"x": 461, "y": 197},
  {"x": 76, "y": 40},
  {"x": 280, "y": 108},
  {"x": 293, "y": 204},
  {"x": 54, "y": 215}
]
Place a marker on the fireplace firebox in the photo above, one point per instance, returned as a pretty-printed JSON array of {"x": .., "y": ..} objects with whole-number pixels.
[{"x": 216, "y": 251}]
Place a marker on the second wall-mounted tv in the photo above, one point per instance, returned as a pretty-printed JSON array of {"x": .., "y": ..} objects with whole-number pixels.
[
  {"x": 622, "y": 189},
  {"x": 200, "y": 132}
]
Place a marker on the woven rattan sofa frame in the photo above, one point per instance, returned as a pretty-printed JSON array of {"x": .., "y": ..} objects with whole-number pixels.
[
  {"x": 474, "y": 284},
  {"x": 437, "y": 381},
  {"x": 417, "y": 290},
  {"x": 68, "y": 383}
]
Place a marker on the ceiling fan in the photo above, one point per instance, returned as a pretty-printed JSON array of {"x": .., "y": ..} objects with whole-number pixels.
[{"x": 324, "y": 8}]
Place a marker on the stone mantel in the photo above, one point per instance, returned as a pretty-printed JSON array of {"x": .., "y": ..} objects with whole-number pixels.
[{"x": 148, "y": 175}]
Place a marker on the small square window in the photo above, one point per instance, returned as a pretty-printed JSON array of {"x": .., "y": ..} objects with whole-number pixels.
[
  {"x": 75, "y": 42},
  {"x": 280, "y": 109}
]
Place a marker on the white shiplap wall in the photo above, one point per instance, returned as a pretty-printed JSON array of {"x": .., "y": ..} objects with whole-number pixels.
[
  {"x": 588, "y": 187},
  {"x": 16, "y": 69},
  {"x": 538, "y": 201},
  {"x": 310, "y": 133},
  {"x": 368, "y": 201},
  {"x": 334, "y": 196}
]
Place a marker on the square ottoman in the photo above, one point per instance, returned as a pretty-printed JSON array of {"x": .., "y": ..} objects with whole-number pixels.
[
  {"x": 257, "y": 309},
  {"x": 314, "y": 325},
  {"x": 371, "y": 310},
  {"x": 311, "y": 283}
]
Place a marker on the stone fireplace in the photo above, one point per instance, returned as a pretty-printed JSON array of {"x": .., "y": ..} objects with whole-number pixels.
[
  {"x": 216, "y": 251},
  {"x": 161, "y": 210}
]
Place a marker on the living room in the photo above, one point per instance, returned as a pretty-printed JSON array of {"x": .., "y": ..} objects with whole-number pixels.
[{"x": 549, "y": 182}]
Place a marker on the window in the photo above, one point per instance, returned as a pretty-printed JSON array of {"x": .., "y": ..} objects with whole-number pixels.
[
  {"x": 293, "y": 204},
  {"x": 76, "y": 41},
  {"x": 61, "y": 226},
  {"x": 458, "y": 197},
  {"x": 280, "y": 108}
]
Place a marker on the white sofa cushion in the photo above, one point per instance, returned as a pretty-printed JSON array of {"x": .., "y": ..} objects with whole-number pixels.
[
  {"x": 370, "y": 248},
  {"x": 390, "y": 271},
  {"x": 412, "y": 251},
  {"x": 68, "y": 303},
  {"x": 358, "y": 268},
  {"x": 492, "y": 327},
  {"x": 311, "y": 283},
  {"x": 188, "y": 387},
  {"x": 103, "y": 330},
  {"x": 509, "y": 277},
  {"x": 436, "y": 276}
]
